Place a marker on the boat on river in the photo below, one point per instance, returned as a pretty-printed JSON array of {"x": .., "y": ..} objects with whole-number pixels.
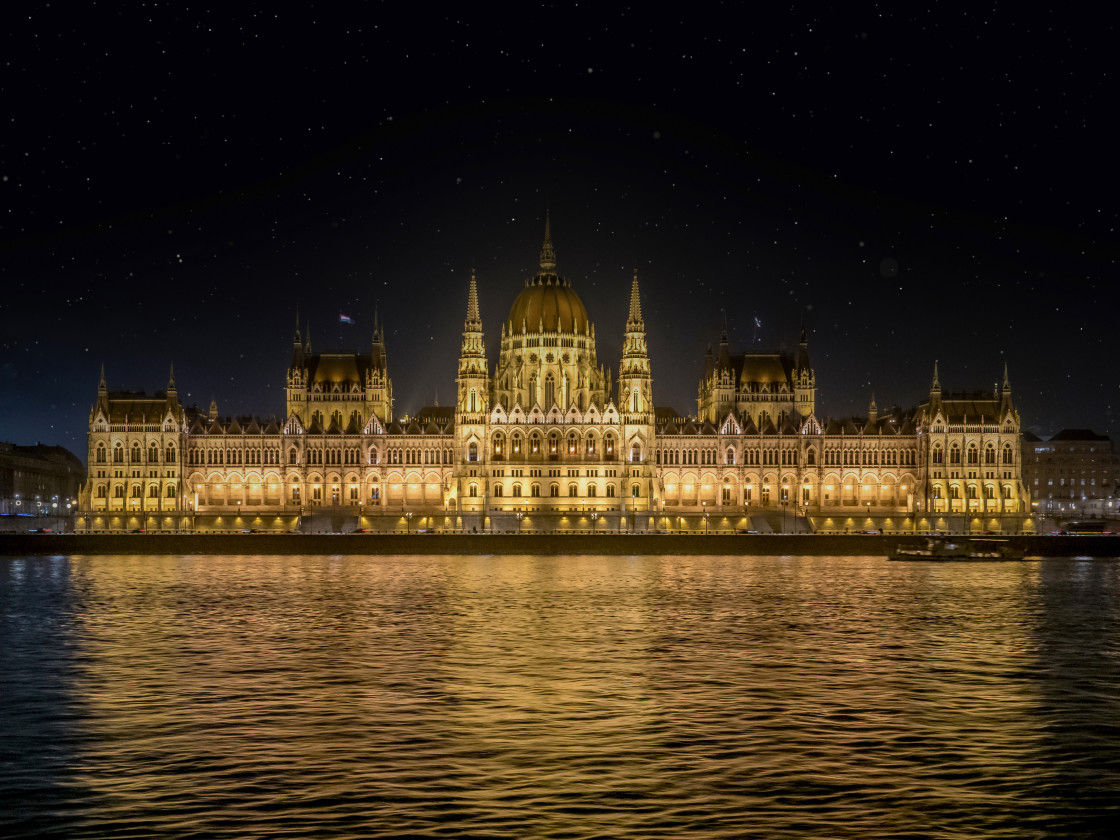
[{"x": 962, "y": 548}]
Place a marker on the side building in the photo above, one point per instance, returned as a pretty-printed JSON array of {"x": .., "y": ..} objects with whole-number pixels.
[{"x": 1072, "y": 475}]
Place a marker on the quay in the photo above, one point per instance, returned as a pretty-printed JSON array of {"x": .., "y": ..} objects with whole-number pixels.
[{"x": 357, "y": 544}]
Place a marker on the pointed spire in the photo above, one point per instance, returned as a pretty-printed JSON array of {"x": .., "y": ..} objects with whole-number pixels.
[
  {"x": 635, "y": 302},
  {"x": 936, "y": 386},
  {"x": 171, "y": 380},
  {"x": 548, "y": 255},
  {"x": 872, "y": 410},
  {"x": 307, "y": 347},
  {"x": 1006, "y": 378},
  {"x": 473, "y": 316},
  {"x": 101, "y": 386}
]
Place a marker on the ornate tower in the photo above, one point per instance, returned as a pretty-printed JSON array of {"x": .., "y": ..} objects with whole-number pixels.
[
  {"x": 473, "y": 380},
  {"x": 804, "y": 380},
  {"x": 379, "y": 388},
  {"x": 635, "y": 384}
]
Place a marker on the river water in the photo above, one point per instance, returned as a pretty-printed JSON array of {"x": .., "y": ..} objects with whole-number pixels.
[{"x": 558, "y": 697}]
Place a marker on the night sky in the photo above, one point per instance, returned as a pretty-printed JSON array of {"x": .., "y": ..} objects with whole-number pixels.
[{"x": 915, "y": 185}]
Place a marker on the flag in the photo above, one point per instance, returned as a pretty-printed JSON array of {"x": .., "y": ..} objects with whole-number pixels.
[{"x": 345, "y": 319}]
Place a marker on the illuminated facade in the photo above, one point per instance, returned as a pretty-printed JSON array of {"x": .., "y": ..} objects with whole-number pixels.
[{"x": 547, "y": 440}]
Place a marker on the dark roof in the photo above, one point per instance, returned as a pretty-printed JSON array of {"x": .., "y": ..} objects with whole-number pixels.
[{"x": 1078, "y": 434}]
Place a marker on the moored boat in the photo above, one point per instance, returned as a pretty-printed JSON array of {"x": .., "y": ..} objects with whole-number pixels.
[{"x": 964, "y": 548}]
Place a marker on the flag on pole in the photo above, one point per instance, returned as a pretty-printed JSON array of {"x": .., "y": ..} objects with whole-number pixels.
[{"x": 345, "y": 319}]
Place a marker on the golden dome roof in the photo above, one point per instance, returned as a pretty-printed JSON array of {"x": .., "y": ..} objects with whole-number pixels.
[{"x": 550, "y": 301}]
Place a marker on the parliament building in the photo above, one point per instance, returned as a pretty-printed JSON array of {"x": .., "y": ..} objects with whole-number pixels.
[{"x": 546, "y": 439}]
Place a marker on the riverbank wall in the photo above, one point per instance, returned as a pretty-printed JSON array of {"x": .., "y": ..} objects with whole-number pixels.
[{"x": 530, "y": 544}]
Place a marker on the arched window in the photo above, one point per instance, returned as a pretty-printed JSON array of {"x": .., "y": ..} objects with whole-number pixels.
[
  {"x": 101, "y": 454},
  {"x": 990, "y": 454},
  {"x": 954, "y": 455},
  {"x": 610, "y": 491},
  {"x": 101, "y": 491},
  {"x": 472, "y": 452},
  {"x": 811, "y": 458},
  {"x": 137, "y": 455},
  {"x": 498, "y": 441},
  {"x": 171, "y": 454},
  {"x": 729, "y": 455},
  {"x": 1007, "y": 457},
  {"x": 535, "y": 490},
  {"x": 955, "y": 492},
  {"x": 497, "y": 491},
  {"x": 118, "y": 491},
  {"x": 989, "y": 491},
  {"x": 516, "y": 490},
  {"x": 591, "y": 491},
  {"x": 636, "y": 452},
  {"x": 170, "y": 492},
  {"x": 590, "y": 445},
  {"x": 635, "y": 490},
  {"x": 573, "y": 444},
  {"x": 472, "y": 491},
  {"x": 938, "y": 455},
  {"x": 554, "y": 490},
  {"x": 153, "y": 491},
  {"x": 153, "y": 454},
  {"x": 534, "y": 443},
  {"x": 608, "y": 445},
  {"x": 516, "y": 443},
  {"x": 118, "y": 454},
  {"x": 972, "y": 491},
  {"x": 573, "y": 490},
  {"x": 973, "y": 455},
  {"x": 553, "y": 443}
]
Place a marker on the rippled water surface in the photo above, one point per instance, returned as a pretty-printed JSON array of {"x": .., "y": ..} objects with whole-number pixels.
[{"x": 558, "y": 697}]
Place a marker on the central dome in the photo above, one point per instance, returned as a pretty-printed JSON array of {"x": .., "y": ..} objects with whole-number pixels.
[{"x": 547, "y": 304}]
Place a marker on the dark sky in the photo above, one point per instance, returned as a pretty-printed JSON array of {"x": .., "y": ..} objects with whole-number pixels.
[{"x": 916, "y": 185}]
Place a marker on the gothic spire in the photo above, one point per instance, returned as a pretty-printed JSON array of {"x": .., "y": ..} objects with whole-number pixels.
[
  {"x": 1006, "y": 378},
  {"x": 101, "y": 386},
  {"x": 548, "y": 255},
  {"x": 474, "y": 319},
  {"x": 171, "y": 380},
  {"x": 634, "y": 321},
  {"x": 936, "y": 386}
]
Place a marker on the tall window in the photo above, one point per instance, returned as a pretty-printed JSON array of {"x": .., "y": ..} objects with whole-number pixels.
[{"x": 549, "y": 391}]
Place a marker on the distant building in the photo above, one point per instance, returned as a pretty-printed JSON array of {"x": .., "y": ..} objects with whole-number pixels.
[
  {"x": 547, "y": 439},
  {"x": 1072, "y": 474},
  {"x": 39, "y": 479}
]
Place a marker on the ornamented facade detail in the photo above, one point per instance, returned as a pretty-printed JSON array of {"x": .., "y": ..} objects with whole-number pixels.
[{"x": 546, "y": 443}]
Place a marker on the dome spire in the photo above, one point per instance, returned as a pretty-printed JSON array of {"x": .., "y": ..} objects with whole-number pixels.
[{"x": 548, "y": 255}]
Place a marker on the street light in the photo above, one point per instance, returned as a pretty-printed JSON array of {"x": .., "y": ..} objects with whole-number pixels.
[
  {"x": 408, "y": 522},
  {"x": 594, "y": 519},
  {"x": 520, "y": 515},
  {"x": 705, "y": 523}
]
